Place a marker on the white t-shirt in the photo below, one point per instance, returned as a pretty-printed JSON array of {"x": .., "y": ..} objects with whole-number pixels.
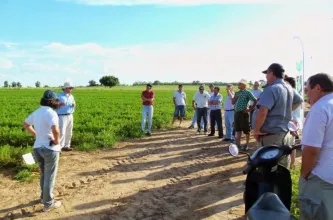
[
  {"x": 296, "y": 114},
  {"x": 180, "y": 97},
  {"x": 318, "y": 132},
  {"x": 228, "y": 102},
  {"x": 43, "y": 119},
  {"x": 201, "y": 99},
  {"x": 256, "y": 94}
]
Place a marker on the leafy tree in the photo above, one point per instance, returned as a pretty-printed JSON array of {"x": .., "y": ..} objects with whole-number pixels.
[
  {"x": 46, "y": 86},
  {"x": 5, "y": 84},
  {"x": 18, "y": 84},
  {"x": 37, "y": 84},
  {"x": 14, "y": 84},
  {"x": 156, "y": 82},
  {"x": 109, "y": 81},
  {"x": 93, "y": 83}
]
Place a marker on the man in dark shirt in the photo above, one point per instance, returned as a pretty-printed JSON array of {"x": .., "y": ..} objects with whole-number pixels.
[{"x": 147, "y": 97}]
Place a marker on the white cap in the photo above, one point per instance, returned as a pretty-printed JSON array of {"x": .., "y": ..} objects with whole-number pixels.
[
  {"x": 67, "y": 85},
  {"x": 243, "y": 81}
]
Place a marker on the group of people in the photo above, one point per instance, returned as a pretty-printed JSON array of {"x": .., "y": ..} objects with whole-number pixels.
[{"x": 266, "y": 112}]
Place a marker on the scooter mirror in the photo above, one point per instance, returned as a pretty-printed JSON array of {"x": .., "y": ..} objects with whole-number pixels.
[
  {"x": 233, "y": 150},
  {"x": 292, "y": 126}
]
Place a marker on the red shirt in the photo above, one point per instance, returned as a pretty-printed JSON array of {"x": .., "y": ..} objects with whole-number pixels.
[{"x": 147, "y": 95}]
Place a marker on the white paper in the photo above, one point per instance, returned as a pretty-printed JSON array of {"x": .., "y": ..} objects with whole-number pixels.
[{"x": 28, "y": 159}]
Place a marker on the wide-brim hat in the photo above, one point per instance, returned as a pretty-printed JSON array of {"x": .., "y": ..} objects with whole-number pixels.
[{"x": 68, "y": 85}]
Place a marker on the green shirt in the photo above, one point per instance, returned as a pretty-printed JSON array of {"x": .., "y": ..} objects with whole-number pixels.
[{"x": 242, "y": 102}]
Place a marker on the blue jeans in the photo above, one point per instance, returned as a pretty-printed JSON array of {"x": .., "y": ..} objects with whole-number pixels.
[
  {"x": 179, "y": 111},
  {"x": 194, "y": 120},
  {"x": 228, "y": 121},
  {"x": 147, "y": 114},
  {"x": 48, "y": 161}
]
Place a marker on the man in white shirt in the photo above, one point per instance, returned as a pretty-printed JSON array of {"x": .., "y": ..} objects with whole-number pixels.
[
  {"x": 215, "y": 105},
  {"x": 211, "y": 93},
  {"x": 179, "y": 100},
  {"x": 201, "y": 99},
  {"x": 316, "y": 180},
  {"x": 257, "y": 93},
  {"x": 229, "y": 113}
]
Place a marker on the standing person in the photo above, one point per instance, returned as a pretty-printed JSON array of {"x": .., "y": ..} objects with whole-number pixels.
[
  {"x": 179, "y": 100},
  {"x": 256, "y": 92},
  {"x": 215, "y": 106},
  {"x": 43, "y": 124},
  {"x": 316, "y": 180},
  {"x": 211, "y": 93},
  {"x": 276, "y": 104},
  {"x": 242, "y": 117},
  {"x": 65, "y": 113},
  {"x": 296, "y": 118},
  {"x": 147, "y": 97},
  {"x": 229, "y": 113},
  {"x": 201, "y": 100}
]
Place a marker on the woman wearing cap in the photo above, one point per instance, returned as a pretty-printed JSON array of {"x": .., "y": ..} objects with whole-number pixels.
[
  {"x": 46, "y": 146},
  {"x": 65, "y": 113}
]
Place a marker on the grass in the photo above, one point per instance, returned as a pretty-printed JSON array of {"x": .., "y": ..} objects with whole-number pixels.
[{"x": 295, "y": 173}]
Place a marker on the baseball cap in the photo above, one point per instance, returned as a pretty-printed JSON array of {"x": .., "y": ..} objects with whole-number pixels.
[
  {"x": 50, "y": 95},
  {"x": 211, "y": 85},
  {"x": 201, "y": 87},
  {"x": 275, "y": 68},
  {"x": 149, "y": 85}
]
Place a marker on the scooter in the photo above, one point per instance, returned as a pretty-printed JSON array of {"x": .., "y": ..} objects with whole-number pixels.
[{"x": 268, "y": 185}]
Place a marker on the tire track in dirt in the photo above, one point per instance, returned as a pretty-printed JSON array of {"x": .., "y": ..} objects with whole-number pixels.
[{"x": 168, "y": 177}]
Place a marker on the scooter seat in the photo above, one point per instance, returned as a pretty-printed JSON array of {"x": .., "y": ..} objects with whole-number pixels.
[{"x": 269, "y": 206}]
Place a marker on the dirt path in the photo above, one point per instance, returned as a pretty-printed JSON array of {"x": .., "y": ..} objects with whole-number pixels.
[{"x": 173, "y": 174}]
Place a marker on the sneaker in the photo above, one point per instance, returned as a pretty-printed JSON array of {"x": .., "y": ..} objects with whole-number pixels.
[
  {"x": 211, "y": 135},
  {"x": 226, "y": 139},
  {"x": 55, "y": 205},
  {"x": 198, "y": 132},
  {"x": 148, "y": 133},
  {"x": 191, "y": 127},
  {"x": 66, "y": 149},
  {"x": 205, "y": 133}
]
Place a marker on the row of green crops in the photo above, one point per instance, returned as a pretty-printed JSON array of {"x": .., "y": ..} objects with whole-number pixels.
[{"x": 103, "y": 116}]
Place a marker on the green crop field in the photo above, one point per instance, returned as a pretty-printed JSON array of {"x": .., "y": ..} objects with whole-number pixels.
[{"x": 103, "y": 116}]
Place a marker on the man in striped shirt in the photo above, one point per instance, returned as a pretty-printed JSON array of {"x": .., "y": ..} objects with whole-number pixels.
[{"x": 215, "y": 105}]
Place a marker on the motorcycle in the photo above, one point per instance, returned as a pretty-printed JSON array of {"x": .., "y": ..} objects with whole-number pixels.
[{"x": 268, "y": 185}]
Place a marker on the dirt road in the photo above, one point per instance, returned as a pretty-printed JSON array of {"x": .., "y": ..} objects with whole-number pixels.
[{"x": 173, "y": 174}]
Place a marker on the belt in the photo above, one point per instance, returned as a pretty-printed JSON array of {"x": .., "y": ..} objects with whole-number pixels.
[
  {"x": 229, "y": 110},
  {"x": 63, "y": 114}
]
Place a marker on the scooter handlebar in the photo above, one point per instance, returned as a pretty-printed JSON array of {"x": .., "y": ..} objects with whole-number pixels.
[{"x": 247, "y": 169}]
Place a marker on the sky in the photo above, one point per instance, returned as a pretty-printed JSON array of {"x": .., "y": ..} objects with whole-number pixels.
[{"x": 53, "y": 41}]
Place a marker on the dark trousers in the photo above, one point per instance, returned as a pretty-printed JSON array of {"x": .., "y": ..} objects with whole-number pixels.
[
  {"x": 251, "y": 115},
  {"x": 202, "y": 112},
  {"x": 216, "y": 116}
]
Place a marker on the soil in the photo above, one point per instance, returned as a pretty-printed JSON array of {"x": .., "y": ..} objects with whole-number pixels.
[{"x": 173, "y": 174}]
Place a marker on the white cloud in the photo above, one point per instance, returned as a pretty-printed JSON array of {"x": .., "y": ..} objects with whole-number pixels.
[
  {"x": 5, "y": 63},
  {"x": 207, "y": 58}
]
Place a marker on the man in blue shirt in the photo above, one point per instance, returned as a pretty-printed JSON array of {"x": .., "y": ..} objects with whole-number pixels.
[
  {"x": 215, "y": 105},
  {"x": 65, "y": 113},
  {"x": 277, "y": 102}
]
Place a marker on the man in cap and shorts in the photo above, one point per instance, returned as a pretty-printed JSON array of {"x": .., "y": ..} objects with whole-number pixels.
[
  {"x": 242, "y": 113},
  {"x": 65, "y": 113},
  {"x": 276, "y": 104},
  {"x": 179, "y": 100}
]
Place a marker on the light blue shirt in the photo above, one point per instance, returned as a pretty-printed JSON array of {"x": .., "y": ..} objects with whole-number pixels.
[
  {"x": 218, "y": 98},
  {"x": 69, "y": 101}
]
